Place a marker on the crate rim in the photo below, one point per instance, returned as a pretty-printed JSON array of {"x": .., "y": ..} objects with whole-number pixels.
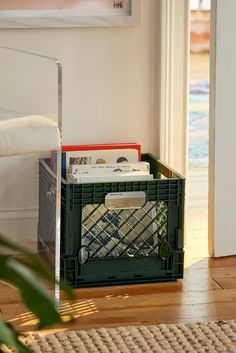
[{"x": 178, "y": 176}]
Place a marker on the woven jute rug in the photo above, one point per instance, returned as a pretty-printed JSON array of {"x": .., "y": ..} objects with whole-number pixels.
[{"x": 218, "y": 336}]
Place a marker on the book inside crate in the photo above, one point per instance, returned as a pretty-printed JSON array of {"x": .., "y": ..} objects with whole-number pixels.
[{"x": 83, "y": 163}]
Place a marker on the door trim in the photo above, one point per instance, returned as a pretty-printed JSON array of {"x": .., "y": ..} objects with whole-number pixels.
[{"x": 174, "y": 83}]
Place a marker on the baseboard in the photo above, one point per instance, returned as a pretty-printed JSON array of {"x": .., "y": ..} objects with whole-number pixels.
[{"x": 20, "y": 225}]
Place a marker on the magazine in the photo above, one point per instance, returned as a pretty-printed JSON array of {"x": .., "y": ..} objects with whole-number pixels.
[
  {"x": 96, "y": 154},
  {"x": 101, "y": 157},
  {"x": 97, "y": 169}
]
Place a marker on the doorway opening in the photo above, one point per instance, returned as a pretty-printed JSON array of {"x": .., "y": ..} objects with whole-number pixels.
[{"x": 198, "y": 129}]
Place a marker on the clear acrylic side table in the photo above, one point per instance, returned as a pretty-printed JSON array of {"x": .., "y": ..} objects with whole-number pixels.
[{"x": 30, "y": 99}]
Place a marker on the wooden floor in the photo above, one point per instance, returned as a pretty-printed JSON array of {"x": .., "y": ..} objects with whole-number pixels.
[{"x": 207, "y": 292}]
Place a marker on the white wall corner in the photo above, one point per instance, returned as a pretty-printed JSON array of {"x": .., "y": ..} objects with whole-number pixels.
[{"x": 174, "y": 83}]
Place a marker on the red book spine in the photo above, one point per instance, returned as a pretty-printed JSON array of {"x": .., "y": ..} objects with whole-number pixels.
[{"x": 94, "y": 147}]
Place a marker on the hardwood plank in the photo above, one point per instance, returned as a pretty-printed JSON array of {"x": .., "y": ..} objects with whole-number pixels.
[
  {"x": 19, "y": 317},
  {"x": 206, "y": 262},
  {"x": 14, "y": 311},
  {"x": 228, "y": 261},
  {"x": 212, "y": 272},
  {"x": 227, "y": 283},
  {"x": 148, "y": 301},
  {"x": 8, "y": 294},
  {"x": 187, "y": 285},
  {"x": 184, "y": 300},
  {"x": 163, "y": 314},
  {"x": 161, "y": 319},
  {"x": 101, "y": 292},
  {"x": 171, "y": 307},
  {"x": 136, "y": 308}
]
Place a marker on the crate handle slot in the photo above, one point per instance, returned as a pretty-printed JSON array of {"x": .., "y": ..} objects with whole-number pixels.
[{"x": 125, "y": 200}]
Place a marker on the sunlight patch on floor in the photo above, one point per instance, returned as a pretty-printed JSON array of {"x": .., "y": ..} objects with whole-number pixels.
[{"x": 78, "y": 309}]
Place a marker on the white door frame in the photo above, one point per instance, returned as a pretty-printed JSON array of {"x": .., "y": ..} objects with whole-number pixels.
[
  {"x": 174, "y": 111},
  {"x": 174, "y": 84},
  {"x": 222, "y": 146},
  {"x": 211, "y": 176}
]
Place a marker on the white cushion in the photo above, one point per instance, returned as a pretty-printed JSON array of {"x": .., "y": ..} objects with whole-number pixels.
[{"x": 28, "y": 134}]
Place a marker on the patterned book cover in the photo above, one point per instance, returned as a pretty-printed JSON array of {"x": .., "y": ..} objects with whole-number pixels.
[{"x": 96, "y": 154}]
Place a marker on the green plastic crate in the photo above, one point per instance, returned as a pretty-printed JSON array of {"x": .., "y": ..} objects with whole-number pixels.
[{"x": 100, "y": 246}]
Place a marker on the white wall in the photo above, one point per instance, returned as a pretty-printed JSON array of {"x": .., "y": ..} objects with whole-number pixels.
[
  {"x": 110, "y": 77},
  {"x": 222, "y": 216}
]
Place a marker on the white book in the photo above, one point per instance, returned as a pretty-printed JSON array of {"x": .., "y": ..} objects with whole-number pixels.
[
  {"x": 101, "y": 157},
  {"x": 122, "y": 177},
  {"x": 109, "y": 168}
]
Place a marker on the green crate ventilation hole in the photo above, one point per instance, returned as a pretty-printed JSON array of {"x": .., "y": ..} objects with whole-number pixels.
[{"x": 124, "y": 233}]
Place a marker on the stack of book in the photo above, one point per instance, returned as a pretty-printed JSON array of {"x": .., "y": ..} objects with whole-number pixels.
[
  {"x": 102, "y": 163},
  {"x": 118, "y": 227}
]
